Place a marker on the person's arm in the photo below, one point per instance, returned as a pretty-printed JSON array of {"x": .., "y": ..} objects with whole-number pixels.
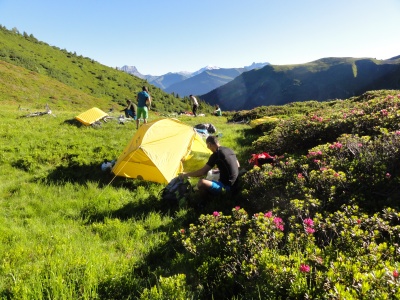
[{"x": 200, "y": 172}]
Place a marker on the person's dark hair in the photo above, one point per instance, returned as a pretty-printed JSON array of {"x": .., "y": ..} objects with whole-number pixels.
[
  {"x": 190, "y": 95},
  {"x": 212, "y": 140},
  {"x": 145, "y": 89}
]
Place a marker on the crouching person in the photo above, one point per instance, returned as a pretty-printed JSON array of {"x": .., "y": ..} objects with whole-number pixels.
[{"x": 225, "y": 159}]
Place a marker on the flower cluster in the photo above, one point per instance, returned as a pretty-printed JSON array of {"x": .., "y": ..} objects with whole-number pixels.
[
  {"x": 336, "y": 145},
  {"x": 304, "y": 268},
  {"x": 308, "y": 225}
]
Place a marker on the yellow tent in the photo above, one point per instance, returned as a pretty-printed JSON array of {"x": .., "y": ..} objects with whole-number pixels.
[
  {"x": 256, "y": 122},
  {"x": 90, "y": 116},
  {"x": 157, "y": 150}
]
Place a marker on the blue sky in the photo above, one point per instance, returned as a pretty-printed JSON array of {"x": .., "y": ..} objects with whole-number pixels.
[{"x": 160, "y": 36}]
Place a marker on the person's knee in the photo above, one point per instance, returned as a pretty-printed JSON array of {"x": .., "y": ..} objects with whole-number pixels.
[{"x": 203, "y": 184}]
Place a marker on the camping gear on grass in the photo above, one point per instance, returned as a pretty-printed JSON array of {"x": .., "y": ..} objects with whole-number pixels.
[
  {"x": 261, "y": 159},
  {"x": 91, "y": 116},
  {"x": 177, "y": 190},
  {"x": 157, "y": 150},
  {"x": 209, "y": 127}
]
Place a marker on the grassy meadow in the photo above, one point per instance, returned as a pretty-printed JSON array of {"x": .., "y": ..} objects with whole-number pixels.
[
  {"x": 69, "y": 230},
  {"x": 321, "y": 222}
]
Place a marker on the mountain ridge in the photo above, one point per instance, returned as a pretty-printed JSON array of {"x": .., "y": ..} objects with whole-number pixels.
[
  {"x": 184, "y": 83},
  {"x": 323, "y": 79}
]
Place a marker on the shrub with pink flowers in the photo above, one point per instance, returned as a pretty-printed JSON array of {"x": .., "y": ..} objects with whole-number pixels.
[
  {"x": 330, "y": 227},
  {"x": 226, "y": 249}
]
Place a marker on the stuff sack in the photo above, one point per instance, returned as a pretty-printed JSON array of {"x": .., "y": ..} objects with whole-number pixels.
[
  {"x": 209, "y": 127},
  {"x": 177, "y": 190},
  {"x": 261, "y": 159}
]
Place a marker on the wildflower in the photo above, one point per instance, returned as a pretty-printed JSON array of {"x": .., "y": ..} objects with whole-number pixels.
[
  {"x": 216, "y": 214},
  {"x": 336, "y": 175},
  {"x": 310, "y": 230},
  {"x": 358, "y": 221},
  {"x": 304, "y": 268},
  {"x": 300, "y": 175},
  {"x": 182, "y": 231},
  {"x": 308, "y": 222},
  {"x": 388, "y": 175},
  {"x": 268, "y": 214},
  {"x": 395, "y": 274},
  {"x": 398, "y": 132},
  {"x": 278, "y": 223},
  {"x": 237, "y": 207}
]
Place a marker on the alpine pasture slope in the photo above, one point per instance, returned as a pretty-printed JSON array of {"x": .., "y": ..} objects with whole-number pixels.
[
  {"x": 71, "y": 231},
  {"x": 322, "y": 222}
]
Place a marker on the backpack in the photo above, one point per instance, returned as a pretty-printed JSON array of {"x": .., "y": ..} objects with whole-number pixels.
[{"x": 177, "y": 190}]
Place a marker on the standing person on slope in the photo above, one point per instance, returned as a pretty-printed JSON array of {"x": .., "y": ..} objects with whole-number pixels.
[
  {"x": 195, "y": 105},
  {"x": 144, "y": 101}
]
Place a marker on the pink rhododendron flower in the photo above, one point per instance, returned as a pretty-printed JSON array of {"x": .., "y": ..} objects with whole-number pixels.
[
  {"x": 182, "y": 231},
  {"x": 216, "y": 214},
  {"x": 310, "y": 230},
  {"x": 278, "y": 223},
  {"x": 336, "y": 175},
  {"x": 304, "y": 268},
  {"x": 237, "y": 207},
  {"x": 388, "y": 175},
  {"x": 359, "y": 221},
  {"x": 395, "y": 274},
  {"x": 268, "y": 214},
  {"x": 308, "y": 222},
  {"x": 299, "y": 175}
]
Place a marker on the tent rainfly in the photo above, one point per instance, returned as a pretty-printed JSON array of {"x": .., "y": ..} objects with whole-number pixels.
[
  {"x": 157, "y": 150},
  {"x": 90, "y": 116}
]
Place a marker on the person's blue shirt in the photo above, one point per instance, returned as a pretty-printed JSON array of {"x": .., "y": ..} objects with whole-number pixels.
[{"x": 142, "y": 97}]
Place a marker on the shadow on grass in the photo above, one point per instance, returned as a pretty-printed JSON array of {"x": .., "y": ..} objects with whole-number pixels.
[
  {"x": 79, "y": 174},
  {"x": 73, "y": 122}
]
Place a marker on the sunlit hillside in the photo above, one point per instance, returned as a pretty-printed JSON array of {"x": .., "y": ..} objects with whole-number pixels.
[{"x": 45, "y": 65}]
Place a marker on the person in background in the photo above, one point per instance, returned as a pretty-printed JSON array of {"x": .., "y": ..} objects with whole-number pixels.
[
  {"x": 144, "y": 102},
  {"x": 217, "y": 111},
  {"x": 195, "y": 105},
  {"x": 225, "y": 159},
  {"x": 130, "y": 109}
]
